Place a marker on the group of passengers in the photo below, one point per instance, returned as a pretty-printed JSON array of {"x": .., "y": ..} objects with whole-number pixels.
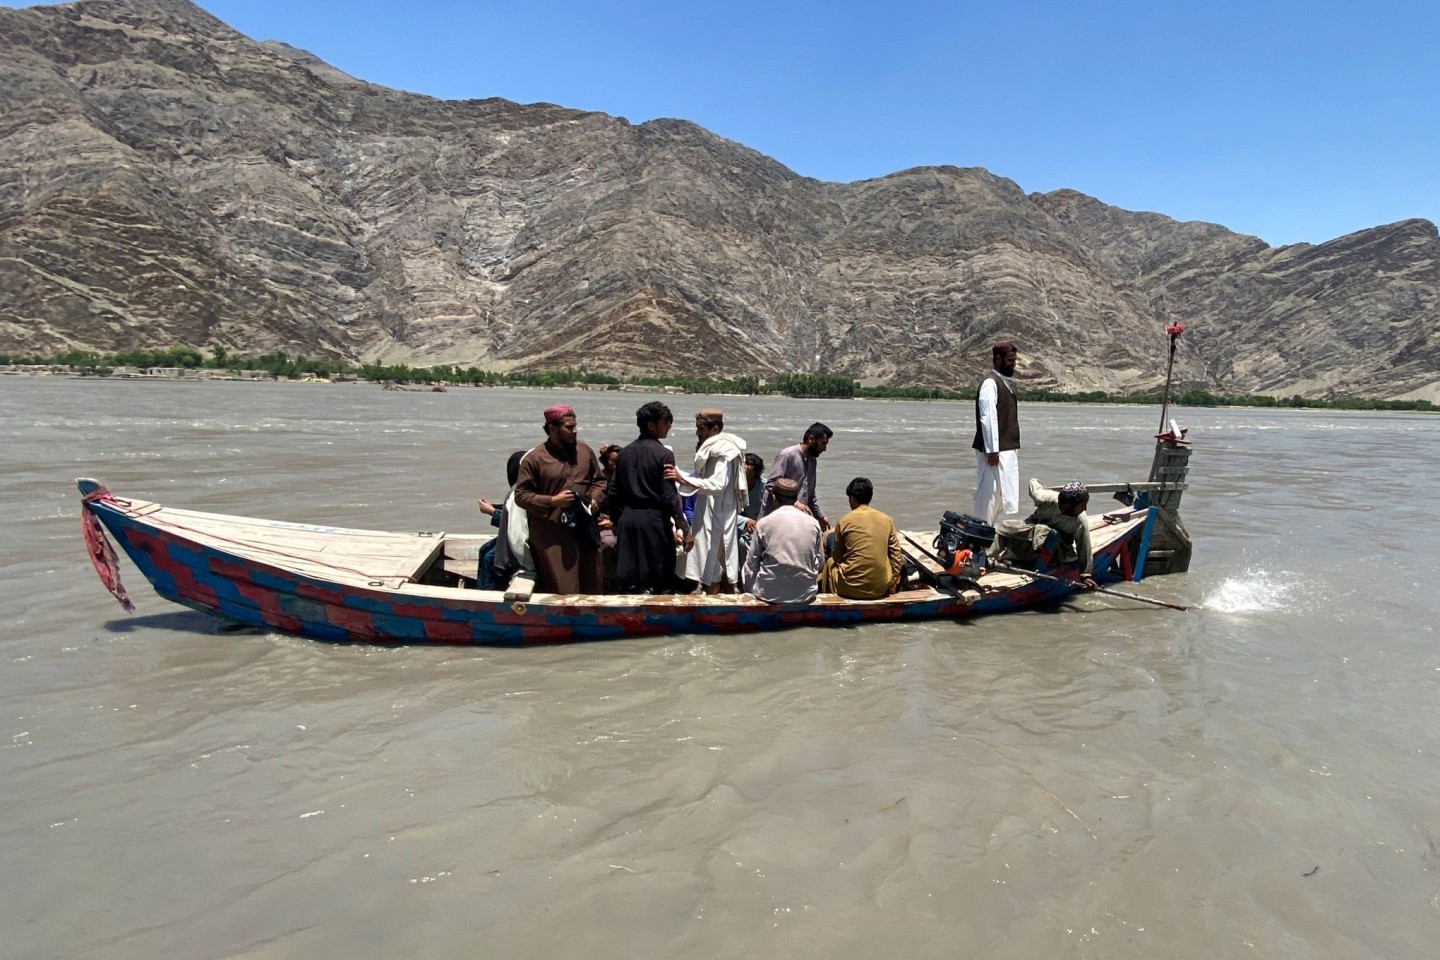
[{"x": 631, "y": 520}]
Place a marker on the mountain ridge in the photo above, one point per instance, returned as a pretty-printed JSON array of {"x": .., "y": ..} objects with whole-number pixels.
[{"x": 165, "y": 180}]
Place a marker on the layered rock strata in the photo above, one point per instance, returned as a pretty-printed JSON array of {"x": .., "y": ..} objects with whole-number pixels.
[{"x": 165, "y": 180}]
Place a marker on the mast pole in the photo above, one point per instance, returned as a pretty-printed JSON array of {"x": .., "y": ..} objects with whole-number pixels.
[{"x": 1174, "y": 330}]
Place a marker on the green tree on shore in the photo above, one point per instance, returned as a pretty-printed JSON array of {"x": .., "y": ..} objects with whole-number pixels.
[{"x": 823, "y": 385}]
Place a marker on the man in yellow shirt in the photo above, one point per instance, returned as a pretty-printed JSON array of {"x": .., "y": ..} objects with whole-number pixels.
[{"x": 866, "y": 561}]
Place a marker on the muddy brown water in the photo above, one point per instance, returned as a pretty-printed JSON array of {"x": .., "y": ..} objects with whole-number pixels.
[{"x": 1256, "y": 777}]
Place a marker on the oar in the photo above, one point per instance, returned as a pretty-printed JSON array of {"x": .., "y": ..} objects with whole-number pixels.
[{"x": 1098, "y": 589}]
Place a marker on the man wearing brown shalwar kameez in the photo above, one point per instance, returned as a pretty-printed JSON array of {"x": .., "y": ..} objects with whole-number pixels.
[{"x": 559, "y": 474}]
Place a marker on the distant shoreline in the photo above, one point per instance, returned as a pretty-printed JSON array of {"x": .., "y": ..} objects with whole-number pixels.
[{"x": 1178, "y": 399}]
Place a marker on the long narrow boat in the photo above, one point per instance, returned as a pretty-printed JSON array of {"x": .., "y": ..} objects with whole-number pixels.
[{"x": 338, "y": 584}]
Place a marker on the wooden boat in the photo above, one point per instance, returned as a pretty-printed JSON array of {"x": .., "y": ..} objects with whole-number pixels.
[{"x": 338, "y": 584}]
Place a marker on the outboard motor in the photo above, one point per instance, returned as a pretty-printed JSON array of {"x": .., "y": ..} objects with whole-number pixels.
[{"x": 961, "y": 544}]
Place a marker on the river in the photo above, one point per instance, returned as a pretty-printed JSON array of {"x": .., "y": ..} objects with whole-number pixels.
[{"x": 1256, "y": 777}]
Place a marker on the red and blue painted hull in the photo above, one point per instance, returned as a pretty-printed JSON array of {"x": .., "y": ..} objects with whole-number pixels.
[{"x": 208, "y": 577}]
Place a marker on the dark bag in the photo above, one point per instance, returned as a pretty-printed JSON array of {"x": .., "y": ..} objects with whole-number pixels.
[{"x": 586, "y": 526}]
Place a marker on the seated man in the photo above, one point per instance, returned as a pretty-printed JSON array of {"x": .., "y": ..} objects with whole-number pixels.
[
  {"x": 866, "y": 561},
  {"x": 508, "y": 553},
  {"x": 755, "y": 484},
  {"x": 1057, "y": 533},
  {"x": 785, "y": 553}
]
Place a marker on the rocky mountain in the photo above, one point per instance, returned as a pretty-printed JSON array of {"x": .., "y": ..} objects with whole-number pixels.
[{"x": 165, "y": 180}]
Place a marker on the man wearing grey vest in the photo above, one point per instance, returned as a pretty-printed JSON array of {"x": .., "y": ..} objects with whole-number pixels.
[{"x": 997, "y": 438}]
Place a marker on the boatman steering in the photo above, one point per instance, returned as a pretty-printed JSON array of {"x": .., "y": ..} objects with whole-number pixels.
[{"x": 1057, "y": 534}]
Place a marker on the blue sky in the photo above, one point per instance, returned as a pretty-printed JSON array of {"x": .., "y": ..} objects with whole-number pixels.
[{"x": 1287, "y": 120}]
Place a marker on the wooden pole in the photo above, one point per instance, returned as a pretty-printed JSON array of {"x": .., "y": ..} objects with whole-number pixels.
[
  {"x": 1169, "y": 366},
  {"x": 1098, "y": 589}
]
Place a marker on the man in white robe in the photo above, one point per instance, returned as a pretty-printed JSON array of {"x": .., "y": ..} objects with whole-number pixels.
[
  {"x": 997, "y": 439},
  {"x": 721, "y": 493}
]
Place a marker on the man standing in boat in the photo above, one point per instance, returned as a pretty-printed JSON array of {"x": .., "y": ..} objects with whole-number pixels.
[
  {"x": 721, "y": 492},
  {"x": 997, "y": 438},
  {"x": 559, "y": 487},
  {"x": 798, "y": 463},
  {"x": 645, "y": 506}
]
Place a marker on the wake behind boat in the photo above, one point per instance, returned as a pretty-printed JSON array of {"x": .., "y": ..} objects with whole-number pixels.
[{"x": 368, "y": 586}]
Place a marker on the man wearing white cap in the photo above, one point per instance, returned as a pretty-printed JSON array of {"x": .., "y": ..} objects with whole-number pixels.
[{"x": 721, "y": 492}]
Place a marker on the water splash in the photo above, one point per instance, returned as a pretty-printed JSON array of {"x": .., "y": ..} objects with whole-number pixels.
[{"x": 1254, "y": 591}]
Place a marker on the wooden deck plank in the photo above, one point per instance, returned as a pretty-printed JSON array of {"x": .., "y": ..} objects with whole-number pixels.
[
  {"x": 308, "y": 549},
  {"x": 1102, "y": 533}
]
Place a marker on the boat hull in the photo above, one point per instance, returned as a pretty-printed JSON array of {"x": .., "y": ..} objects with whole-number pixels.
[{"x": 211, "y": 577}]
